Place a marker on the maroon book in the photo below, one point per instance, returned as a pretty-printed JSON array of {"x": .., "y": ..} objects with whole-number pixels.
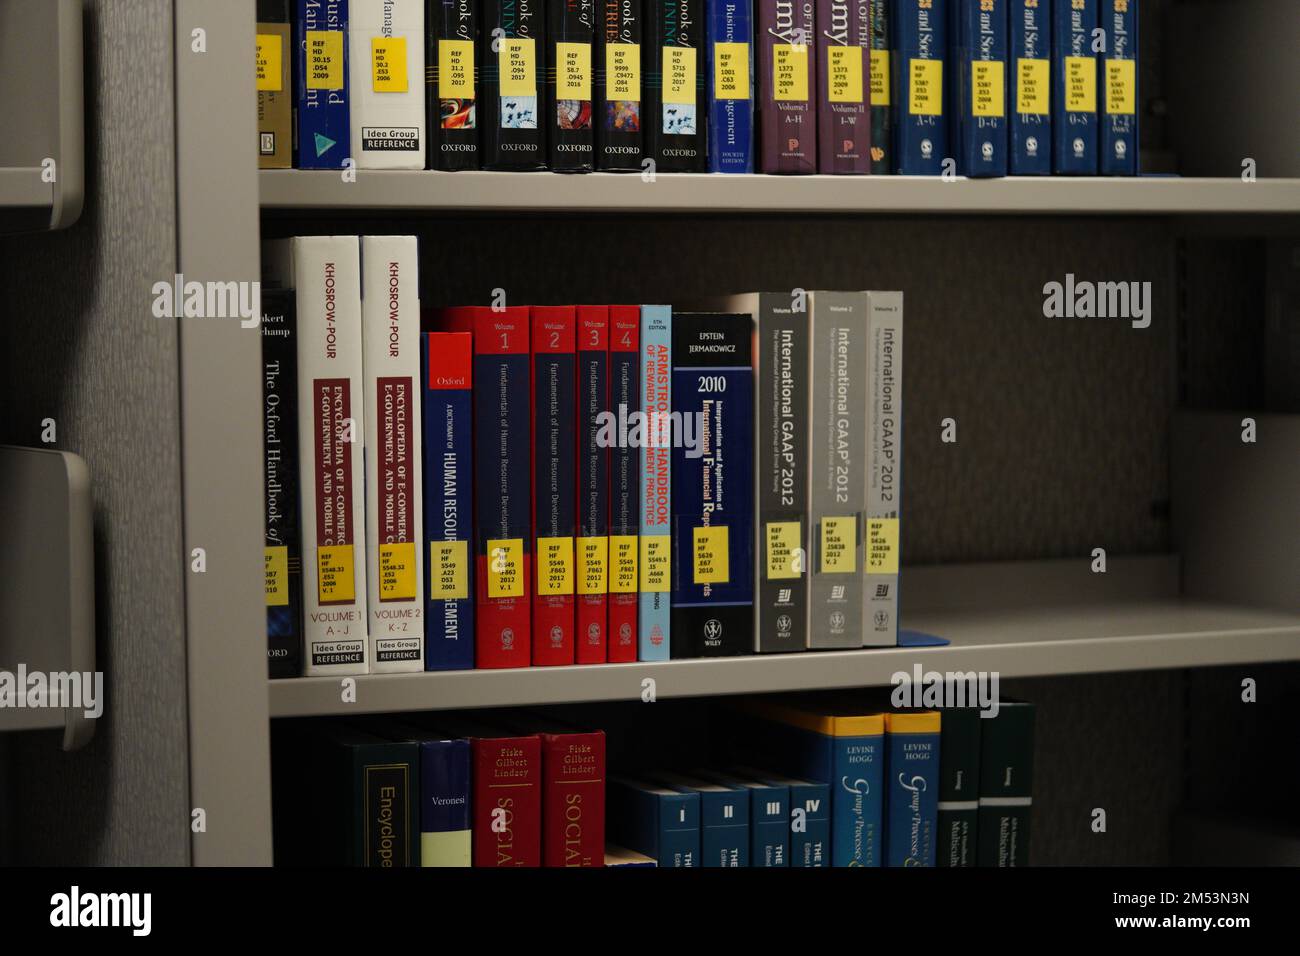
[
  {"x": 787, "y": 56},
  {"x": 843, "y": 86},
  {"x": 573, "y": 799},
  {"x": 507, "y": 798}
]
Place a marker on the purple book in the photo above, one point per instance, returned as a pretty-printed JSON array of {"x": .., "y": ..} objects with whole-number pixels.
[
  {"x": 787, "y": 66},
  {"x": 843, "y": 84}
]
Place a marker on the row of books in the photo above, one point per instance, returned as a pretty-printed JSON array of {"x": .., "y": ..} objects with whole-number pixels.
[
  {"x": 834, "y": 786},
  {"x": 553, "y": 485},
  {"x": 920, "y": 87}
]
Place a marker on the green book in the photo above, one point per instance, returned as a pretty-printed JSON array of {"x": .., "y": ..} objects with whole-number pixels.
[
  {"x": 367, "y": 805},
  {"x": 959, "y": 780},
  {"x": 1006, "y": 785}
]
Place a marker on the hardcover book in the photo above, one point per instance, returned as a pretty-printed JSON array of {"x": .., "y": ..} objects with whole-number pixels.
[
  {"x": 624, "y": 482},
  {"x": 884, "y": 468},
  {"x": 654, "y": 626},
  {"x": 713, "y": 497},
  {"x": 920, "y": 49},
  {"x": 787, "y": 57},
  {"x": 843, "y": 86},
  {"x": 674, "y": 104},
  {"x": 658, "y": 821},
  {"x": 724, "y": 820},
  {"x": 513, "y": 58},
  {"x": 882, "y": 88},
  {"x": 593, "y": 485},
  {"x": 449, "y": 500},
  {"x": 1074, "y": 94},
  {"x": 959, "y": 776},
  {"x": 322, "y": 131},
  {"x": 730, "y": 78},
  {"x": 506, "y": 790},
  {"x": 570, "y": 33},
  {"x": 502, "y": 511},
  {"x": 387, "y": 41},
  {"x": 555, "y": 491},
  {"x": 1030, "y": 53},
  {"x": 280, "y": 470},
  {"x": 979, "y": 111},
  {"x": 619, "y": 108},
  {"x": 366, "y": 803},
  {"x": 573, "y": 797},
  {"x": 444, "y": 809},
  {"x": 390, "y": 322},
  {"x": 769, "y": 815},
  {"x": 1006, "y": 785},
  {"x": 1118, "y": 150},
  {"x": 912, "y": 762},
  {"x": 810, "y": 819},
  {"x": 841, "y": 364},
  {"x": 452, "y": 74},
  {"x": 274, "y": 60}
]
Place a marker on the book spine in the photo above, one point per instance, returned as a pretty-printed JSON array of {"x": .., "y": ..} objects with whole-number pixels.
[
  {"x": 912, "y": 797},
  {"x": 327, "y": 283},
  {"x": 858, "y": 803},
  {"x": 619, "y": 109},
  {"x": 980, "y": 111},
  {"x": 782, "y": 462},
  {"x": 321, "y": 118},
  {"x": 675, "y": 120},
  {"x": 713, "y": 498},
  {"x": 444, "y": 803},
  {"x": 724, "y": 829},
  {"x": 507, "y": 794},
  {"x": 654, "y": 625},
  {"x": 386, "y": 57},
  {"x": 730, "y": 79},
  {"x": 843, "y": 91},
  {"x": 959, "y": 774},
  {"x": 882, "y": 88},
  {"x": 573, "y": 805},
  {"x": 448, "y": 359},
  {"x": 570, "y": 35},
  {"x": 281, "y": 494},
  {"x": 810, "y": 830},
  {"x": 593, "y": 485},
  {"x": 274, "y": 85},
  {"x": 678, "y": 840},
  {"x": 1074, "y": 93},
  {"x": 390, "y": 323},
  {"x": 884, "y": 466},
  {"x": 513, "y": 57},
  {"x": 787, "y": 57},
  {"x": 555, "y": 452},
  {"x": 1119, "y": 121},
  {"x": 1030, "y": 55},
  {"x": 920, "y": 48},
  {"x": 385, "y": 799},
  {"x": 838, "y": 506},
  {"x": 1006, "y": 785},
  {"x": 624, "y": 482},
  {"x": 452, "y": 75},
  {"x": 502, "y": 519},
  {"x": 769, "y": 824}
]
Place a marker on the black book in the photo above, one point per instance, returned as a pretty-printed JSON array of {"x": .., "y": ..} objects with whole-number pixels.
[
  {"x": 452, "y": 78},
  {"x": 619, "y": 107},
  {"x": 513, "y": 57},
  {"x": 570, "y": 36},
  {"x": 674, "y": 107}
]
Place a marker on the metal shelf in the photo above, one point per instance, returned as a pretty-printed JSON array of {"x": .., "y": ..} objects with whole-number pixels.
[{"x": 416, "y": 190}]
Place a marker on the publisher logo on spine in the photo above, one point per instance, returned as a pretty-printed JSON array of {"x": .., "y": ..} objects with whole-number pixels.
[{"x": 379, "y": 138}]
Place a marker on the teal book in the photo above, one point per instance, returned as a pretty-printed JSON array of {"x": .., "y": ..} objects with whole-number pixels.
[
  {"x": 959, "y": 780},
  {"x": 657, "y": 821},
  {"x": 724, "y": 820},
  {"x": 769, "y": 815},
  {"x": 655, "y": 564},
  {"x": 1006, "y": 785},
  {"x": 810, "y": 819}
]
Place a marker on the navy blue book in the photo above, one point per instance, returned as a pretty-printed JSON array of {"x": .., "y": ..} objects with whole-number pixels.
[
  {"x": 1030, "y": 99},
  {"x": 810, "y": 819},
  {"x": 322, "y": 134},
  {"x": 1074, "y": 94},
  {"x": 724, "y": 820},
  {"x": 658, "y": 821},
  {"x": 979, "y": 111},
  {"x": 920, "y": 52},
  {"x": 713, "y": 485},
  {"x": 445, "y": 807},
  {"x": 730, "y": 77},
  {"x": 912, "y": 784},
  {"x": 769, "y": 814},
  {"x": 1119, "y": 120}
]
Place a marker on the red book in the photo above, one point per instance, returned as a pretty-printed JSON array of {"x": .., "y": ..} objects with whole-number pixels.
[
  {"x": 624, "y": 482},
  {"x": 573, "y": 799},
  {"x": 503, "y": 533},
  {"x": 593, "y": 483},
  {"x": 507, "y": 795},
  {"x": 555, "y": 444}
]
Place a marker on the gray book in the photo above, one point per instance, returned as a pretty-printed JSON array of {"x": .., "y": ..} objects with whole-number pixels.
[{"x": 884, "y": 461}]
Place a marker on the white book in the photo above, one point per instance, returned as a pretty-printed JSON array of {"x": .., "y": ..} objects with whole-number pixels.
[
  {"x": 386, "y": 52},
  {"x": 884, "y": 466},
  {"x": 325, "y": 271},
  {"x": 390, "y": 325}
]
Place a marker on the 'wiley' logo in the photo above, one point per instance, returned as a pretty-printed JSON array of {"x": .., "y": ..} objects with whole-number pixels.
[{"x": 1098, "y": 300}]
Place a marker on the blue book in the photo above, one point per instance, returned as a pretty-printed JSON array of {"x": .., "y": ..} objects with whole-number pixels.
[
  {"x": 1074, "y": 93},
  {"x": 660, "y": 822},
  {"x": 730, "y": 76},
  {"x": 810, "y": 820},
  {"x": 1118, "y": 153},
  {"x": 444, "y": 801},
  {"x": 1031, "y": 88},
  {"x": 724, "y": 820},
  {"x": 920, "y": 49},
  {"x": 322, "y": 134},
  {"x": 446, "y": 361},
  {"x": 655, "y": 505},
  {"x": 713, "y": 485},
  {"x": 769, "y": 814},
  {"x": 912, "y": 761},
  {"x": 979, "y": 113}
]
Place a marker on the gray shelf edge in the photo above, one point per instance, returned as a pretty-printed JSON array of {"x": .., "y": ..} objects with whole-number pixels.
[
  {"x": 23, "y": 188},
  {"x": 421, "y": 190}
]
